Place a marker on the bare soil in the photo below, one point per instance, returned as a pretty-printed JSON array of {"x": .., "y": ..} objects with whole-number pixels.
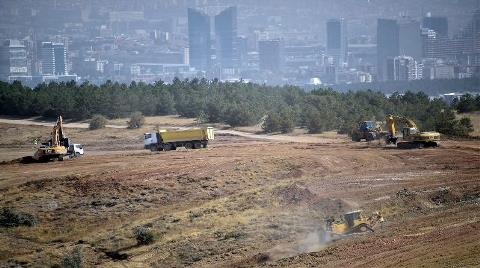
[{"x": 248, "y": 200}]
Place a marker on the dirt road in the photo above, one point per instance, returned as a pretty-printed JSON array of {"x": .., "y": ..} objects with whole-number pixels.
[
  {"x": 282, "y": 138},
  {"x": 244, "y": 202},
  {"x": 38, "y": 122}
]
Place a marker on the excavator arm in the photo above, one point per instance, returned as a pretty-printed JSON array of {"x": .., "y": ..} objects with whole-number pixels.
[
  {"x": 57, "y": 132},
  {"x": 392, "y": 121}
]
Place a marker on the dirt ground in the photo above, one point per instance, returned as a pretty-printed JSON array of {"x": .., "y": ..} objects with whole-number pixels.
[{"x": 246, "y": 201}]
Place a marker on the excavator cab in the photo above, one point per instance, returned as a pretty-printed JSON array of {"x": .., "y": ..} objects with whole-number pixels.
[{"x": 409, "y": 132}]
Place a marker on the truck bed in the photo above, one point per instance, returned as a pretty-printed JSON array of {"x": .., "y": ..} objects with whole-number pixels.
[{"x": 195, "y": 134}]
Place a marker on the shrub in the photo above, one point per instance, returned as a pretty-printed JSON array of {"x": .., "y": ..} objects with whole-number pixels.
[
  {"x": 73, "y": 259},
  {"x": 283, "y": 121},
  {"x": 271, "y": 123},
  {"x": 137, "y": 120},
  {"x": 463, "y": 127},
  {"x": 239, "y": 115},
  {"x": 97, "y": 122},
  {"x": 287, "y": 121},
  {"x": 143, "y": 235},
  {"x": 202, "y": 117},
  {"x": 10, "y": 217}
]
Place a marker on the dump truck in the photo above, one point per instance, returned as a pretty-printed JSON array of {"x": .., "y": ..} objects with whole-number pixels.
[
  {"x": 367, "y": 130},
  {"x": 166, "y": 140},
  {"x": 411, "y": 136},
  {"x": 58, "y": 147}
]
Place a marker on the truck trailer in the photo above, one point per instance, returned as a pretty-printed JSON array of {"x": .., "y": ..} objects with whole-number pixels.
[{"x": 166, "y": 140}]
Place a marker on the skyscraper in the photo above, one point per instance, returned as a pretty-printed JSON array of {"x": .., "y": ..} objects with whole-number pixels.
[
  {"x": 47, "y": 58},
  {"x": 476, "y": 35},
  {"x": 60, "y": 51},
  {"x": 387, "y": 45},
  {"x": 54, "y": 58},
  {"x": 270, "y": 55},
  {"x": 438, "y": 24},
  {"x": 199, "y": 39},
  {"x": 410, "y": 39},
  {"x": 226, "y": 35},
  {"x": 337, "y": 40}
]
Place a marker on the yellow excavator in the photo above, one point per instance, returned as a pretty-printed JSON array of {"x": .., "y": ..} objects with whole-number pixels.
[
  {"x": 411, "y": 136},
  {"x": 58, "y": 147}
]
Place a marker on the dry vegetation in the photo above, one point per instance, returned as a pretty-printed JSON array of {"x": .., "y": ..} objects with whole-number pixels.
[{"x": 240, "y": 203}]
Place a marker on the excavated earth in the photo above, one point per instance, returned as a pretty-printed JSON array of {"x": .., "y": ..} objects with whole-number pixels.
[{"x": 242, "y": 202}]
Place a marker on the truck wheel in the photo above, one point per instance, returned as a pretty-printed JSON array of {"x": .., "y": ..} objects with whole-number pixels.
[
  {"x": 197, "y": 145},
  {"x": 188, "y": 145},
  {"x": 371, "y": 136},
  {"x": 167, "y": 146},
  {"x": 205, "y": 145}
]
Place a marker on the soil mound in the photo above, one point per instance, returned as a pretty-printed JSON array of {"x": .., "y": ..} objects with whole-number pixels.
[
  {"x": 331, "y": 207},
  {"x": 295, "y": 194}
]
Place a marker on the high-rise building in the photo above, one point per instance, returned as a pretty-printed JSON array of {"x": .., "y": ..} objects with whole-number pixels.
[
  {"x": 61, "y": 66},
  {"x": 53, "y": 57},
  {"x": 270, "y": 55},
  {"x": 405, "y": 69},
  {"x": 13, "y": 59},
  {"x": 410, "y": 40},
  {"x": 199, "y": 39},
  {"x": 242, "y": 51},
  {"x": 337, "y": 40},
  {"x": 47, "y": 58},
  {"x": 472, "y": 38},
  {"x": 226, "y": 35},
  {"x": 438, "y": 24},
  {"x": 387, "y": 45}
]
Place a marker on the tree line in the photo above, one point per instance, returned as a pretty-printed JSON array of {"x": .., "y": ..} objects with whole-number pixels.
[
  {"x": 430, "y": 87},
  {"x": 282, "y": 108},
  {"x": 467, "y": 103}
]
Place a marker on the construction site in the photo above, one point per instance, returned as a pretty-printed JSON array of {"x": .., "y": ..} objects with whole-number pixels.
[{"x": 245, "y": 200}]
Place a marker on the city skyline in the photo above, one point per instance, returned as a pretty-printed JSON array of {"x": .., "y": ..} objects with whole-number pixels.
[{"x": 124, "y": 41}]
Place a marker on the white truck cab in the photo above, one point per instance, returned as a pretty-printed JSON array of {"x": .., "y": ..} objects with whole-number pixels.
[
  {"x": 149, "y": 139},
  {"x": 76, "y": 149}
]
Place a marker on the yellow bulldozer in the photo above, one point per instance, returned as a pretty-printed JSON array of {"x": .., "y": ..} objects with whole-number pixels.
[
  {"x": 352, "y": 222},
  {"x": 411, "y": 136}
]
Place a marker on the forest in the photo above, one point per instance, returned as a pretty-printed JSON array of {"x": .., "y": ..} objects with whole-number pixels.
[{"x": 282, "y": 108}]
